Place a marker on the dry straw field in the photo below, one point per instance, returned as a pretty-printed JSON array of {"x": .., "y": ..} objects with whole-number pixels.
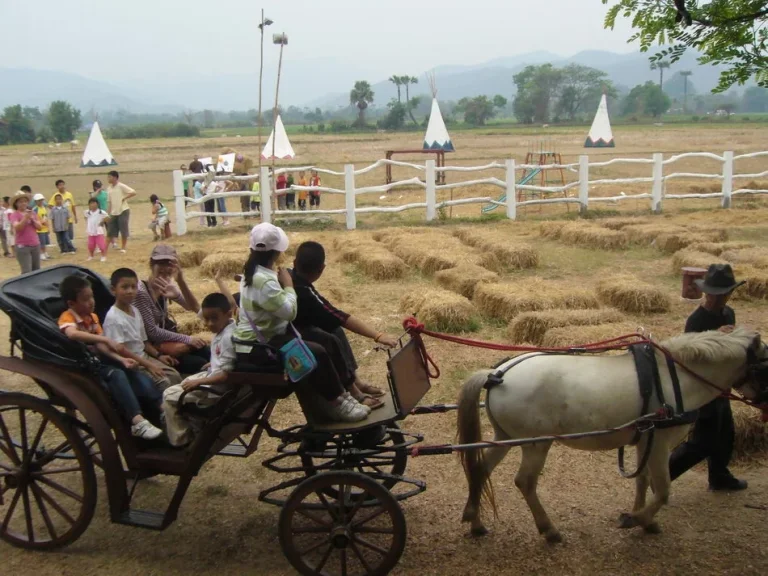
[{"x": 546, "y": 279}]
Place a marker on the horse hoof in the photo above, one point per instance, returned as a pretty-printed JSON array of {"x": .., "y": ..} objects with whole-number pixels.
[
  {"x": 627, "y": 521},
  {"x": 553, "y": 536},
  {"x": 481, "y": 531},
  {"x": 652, "y": 528}
]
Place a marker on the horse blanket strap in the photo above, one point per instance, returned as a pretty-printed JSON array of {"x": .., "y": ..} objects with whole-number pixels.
[
  {"x": 675, "y": 385},
  {"x": 496, "y": 378}
]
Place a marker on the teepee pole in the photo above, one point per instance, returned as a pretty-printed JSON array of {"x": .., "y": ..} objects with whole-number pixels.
[{"x": 281, "y": 39}]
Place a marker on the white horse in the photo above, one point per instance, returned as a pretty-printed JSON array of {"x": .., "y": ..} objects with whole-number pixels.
[{"x": 547, "y": 395}]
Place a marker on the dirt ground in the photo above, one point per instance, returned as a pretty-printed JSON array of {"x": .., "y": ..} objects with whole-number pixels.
[{"x": 223, "y": 529}]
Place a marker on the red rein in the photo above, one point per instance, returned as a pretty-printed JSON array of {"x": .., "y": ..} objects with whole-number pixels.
[{"x": 413, "y": 327}]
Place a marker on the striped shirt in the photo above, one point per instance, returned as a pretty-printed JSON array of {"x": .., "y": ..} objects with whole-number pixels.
[
  {"x": 162, "y": 211},
  {"x": 153, "y": 315},
  {"x": 268, "y": 305}
]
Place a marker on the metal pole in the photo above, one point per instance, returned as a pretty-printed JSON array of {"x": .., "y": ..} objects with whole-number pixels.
[
  {"x": 261, "y": 74},
  {"x": 274, "y": 114}
]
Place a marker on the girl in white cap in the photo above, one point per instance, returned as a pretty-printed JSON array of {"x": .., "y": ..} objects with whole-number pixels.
[{"x": 267, "y": 306}]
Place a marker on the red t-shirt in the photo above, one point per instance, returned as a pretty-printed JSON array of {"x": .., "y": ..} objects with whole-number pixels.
[{"x": 281, "y": 182}]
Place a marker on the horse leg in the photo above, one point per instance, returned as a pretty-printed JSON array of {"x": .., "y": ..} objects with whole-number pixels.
[
  {"x": 527, "y": 478},
  {"x": 642, "y": 480},
  {"x": 658, "y": 470},
  {"x": 491, "y": 457}
]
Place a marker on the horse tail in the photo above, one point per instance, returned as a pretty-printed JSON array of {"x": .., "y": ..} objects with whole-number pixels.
[{"x": 473, "y": 461}]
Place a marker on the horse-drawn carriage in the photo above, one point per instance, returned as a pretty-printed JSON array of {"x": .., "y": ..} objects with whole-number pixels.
[{"x": 340, "y": 512}]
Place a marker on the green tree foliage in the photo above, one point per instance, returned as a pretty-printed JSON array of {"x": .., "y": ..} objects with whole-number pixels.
[
  {"x": 661, "y": 65},
  {"x": 732, "y": 33},
  {"x": 568, "y": 93},
  {"x": 64, "y": 120},
  {"x": 361, "y": 95},
  {"x": 17, "y": 128},
  {"x": 479, "y": 109},
  {"x": 395, "y": 118},
  {"x": 646, "y": 99},
  {"x": 396, "y": 80},
  {"x": 179, "y": 130}
]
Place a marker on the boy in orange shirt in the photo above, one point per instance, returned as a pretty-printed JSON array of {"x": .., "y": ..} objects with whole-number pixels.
[
  {"x": 314, "y": 195},
  {"x": 126, "y": 385}
]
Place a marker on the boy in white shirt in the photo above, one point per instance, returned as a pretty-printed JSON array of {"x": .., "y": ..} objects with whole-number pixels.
[
  {"x": 124, "y": 325},
  {"x": 9, "y": 237},
  {"x": 216, "y": 311}
]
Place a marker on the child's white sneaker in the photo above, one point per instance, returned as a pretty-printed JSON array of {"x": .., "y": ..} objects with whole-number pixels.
[
  {"x": 89, "y": 258},
  {"x": 145, "y": 430},
  {"x": 103, "y": 258},
  {"x": 349, "y": 396},
  {"x": 349, "y": 410}
]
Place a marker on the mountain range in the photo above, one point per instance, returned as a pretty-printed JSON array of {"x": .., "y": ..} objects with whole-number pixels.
[{"x": 314, "y": 83}]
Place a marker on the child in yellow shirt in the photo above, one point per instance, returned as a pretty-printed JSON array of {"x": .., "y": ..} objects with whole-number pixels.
[{"x": 302, "y": 193}]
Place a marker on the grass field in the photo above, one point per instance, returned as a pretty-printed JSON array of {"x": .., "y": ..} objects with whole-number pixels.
[{"x": 223, "y": 529}]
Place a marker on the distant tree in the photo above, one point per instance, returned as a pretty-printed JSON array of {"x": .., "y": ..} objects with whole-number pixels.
[
  {"x": 361, "y": 95},
  {"x": 64, "y": 120},
  {"x": 314, "y": 117},
  {"x": 646, "y": 98},
  {"x": 34, "y": 115},
  {"x": 478, "y": 110},
  {"x": 661, "y": 65},
  {"x": 398, "y": 83},
  {"x": 732, "y": 33},
  {"x": 580, "y": 89},
  {"x": 755, "y": 99},
  {"x": 656, "y": 102},
  {"x": 395, "y": 118},
  {"x": 407, "y": 81},
  {"x": 499, "y": 101},
  {"x": 208, "y": 120},
  {"x": 18, "y": 129}
]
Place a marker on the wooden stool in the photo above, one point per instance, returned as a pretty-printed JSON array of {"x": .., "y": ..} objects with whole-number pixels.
[{"x": 690, "y": 290}]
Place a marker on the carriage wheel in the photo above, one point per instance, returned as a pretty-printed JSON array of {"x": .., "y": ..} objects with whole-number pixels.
[
  {"x": 47, "y": 481},
  {"x": 374, "y": 461},
  {"x": 362, "y": 533}
]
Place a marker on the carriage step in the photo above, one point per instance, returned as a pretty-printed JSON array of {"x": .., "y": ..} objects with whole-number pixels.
[
  {"x": 235, "y": 449},
  {"x": 142, "y": 519}
]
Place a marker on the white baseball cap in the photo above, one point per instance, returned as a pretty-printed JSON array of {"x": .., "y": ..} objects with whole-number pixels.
[
  {"x": 265, "y": 237},
  {"x": 37, "y": 197}
]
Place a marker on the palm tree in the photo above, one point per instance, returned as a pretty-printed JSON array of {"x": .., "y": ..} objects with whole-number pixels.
[
  {"x": 407, "y": 81},
  {"x": 396, "y": 80},
  {"x": 661, "y": 65},
  {"x": 361, "y": 95},
  {"x": 685, "y": 74}
]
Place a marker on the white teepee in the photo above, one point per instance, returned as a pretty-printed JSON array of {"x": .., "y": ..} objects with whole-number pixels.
[
  {"x": 96, "y": 151},
  {"x": 437, "y": 137},
  {"x": 283, "y": 148},
  {"x": 600, "y": 135}
]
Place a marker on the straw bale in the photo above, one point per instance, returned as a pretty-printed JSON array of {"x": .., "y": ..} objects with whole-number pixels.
[
  {"x": 550, "y": 229},
  {"x": 225, "y": 263},
  {"x": 717, "y": 248},
  {"x": 621, "y": 223},
  {"x": 629, "y": 294},
  {"x": 531, "y": 326},
  {"x": 191, "y": 258},
  {"x": 441, "y": 310},
  {"x": 593, "y": 237},
  {"x": 751, "y": 440},
  {"x": 688, "y": 257},
  {"x": 673, "y": 233},
  {"x": 431, "y": 251},
  {"x": 506, "y": 301},
  {"x": 578, "y": 335},
  {"x": 371, "y": 258},
  {"x": 464, "y": 278},
  {"x": 189, "y": 323},
  {"x": 669, "y": 243},
  {"x": 757, "y": 257},
  {"x": 499, "y": 254},
  {"x": 756, "y": 283}
]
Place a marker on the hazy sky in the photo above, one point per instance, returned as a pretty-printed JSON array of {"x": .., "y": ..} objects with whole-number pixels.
[{"x": 122, "y": 40}]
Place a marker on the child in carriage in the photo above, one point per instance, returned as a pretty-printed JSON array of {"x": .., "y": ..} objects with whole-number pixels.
[
  {"x": 267, "y": 307},
  {"x": 125, "y": 326},
  {"x": 128, "y": 387},
  {"x": 216, "y": 312}
]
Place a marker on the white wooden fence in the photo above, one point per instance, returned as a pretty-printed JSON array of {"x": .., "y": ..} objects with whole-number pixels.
[{"x": 656, "y": 180}]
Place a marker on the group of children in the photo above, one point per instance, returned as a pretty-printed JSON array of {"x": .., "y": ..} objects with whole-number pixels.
[
  {"x": 287, "y": 200},
  {"x": 143, "y": 383}
]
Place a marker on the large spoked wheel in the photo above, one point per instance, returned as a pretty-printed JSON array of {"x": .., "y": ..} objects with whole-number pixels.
[
  {"x": 47, "y": 481},
  {"x": 381, "y": 461},
  {"x": 361, "y": 533}
]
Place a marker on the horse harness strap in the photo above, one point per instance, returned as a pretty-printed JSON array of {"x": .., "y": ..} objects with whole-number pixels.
[{"x": 497, "y": 377}]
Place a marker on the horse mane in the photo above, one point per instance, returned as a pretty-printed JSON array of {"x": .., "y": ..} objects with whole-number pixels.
[{"x": 710, "y": 347}]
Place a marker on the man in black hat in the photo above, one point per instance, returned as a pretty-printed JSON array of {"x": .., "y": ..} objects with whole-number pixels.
[{"x": 713, "y": 432}]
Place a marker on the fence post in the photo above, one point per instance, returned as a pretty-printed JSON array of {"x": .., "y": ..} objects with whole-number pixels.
[
  {"x": 349, "y": 188},
  {"x": 265, "y": 186},
  {"x": 511, "y": 189},
  {"x": 431, "y": 194},
  {"x": 727, "y": 179},
  {"x": 583, "y": 184},
  {"x": 658, "y": 182},
  {"x": 181, "y": 204}
]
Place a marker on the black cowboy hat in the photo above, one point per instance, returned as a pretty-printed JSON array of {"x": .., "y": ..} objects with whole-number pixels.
[{"x": 719, "y": 280}]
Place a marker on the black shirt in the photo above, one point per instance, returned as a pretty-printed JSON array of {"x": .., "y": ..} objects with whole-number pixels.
[
  {"x": 703, "y": 320},
  {"x": 313, "y": 309}
]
